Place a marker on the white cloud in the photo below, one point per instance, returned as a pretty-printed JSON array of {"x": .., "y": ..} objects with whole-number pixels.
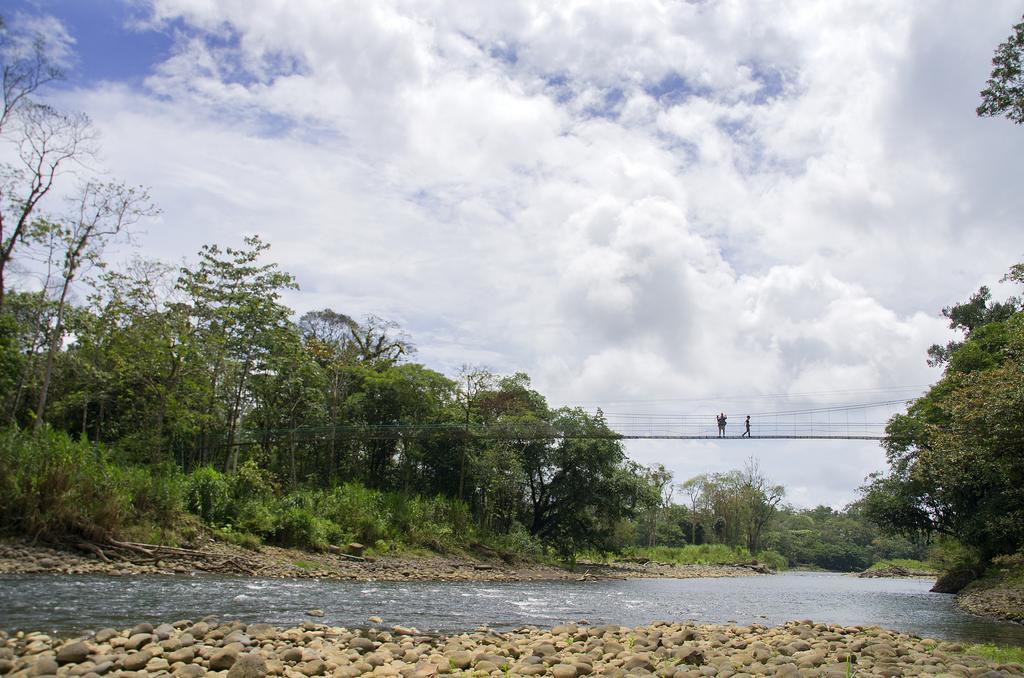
[{"x": 628, "y": 201}]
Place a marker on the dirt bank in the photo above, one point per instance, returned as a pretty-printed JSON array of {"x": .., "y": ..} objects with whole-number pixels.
[{"x": 219, "y": 557}]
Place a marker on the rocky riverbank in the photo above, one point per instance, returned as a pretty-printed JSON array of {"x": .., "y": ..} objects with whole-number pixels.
[
  {"x": 1000, "y": 593},
  {"x": 219, "y": 557},
  {"x": 236, "y": 650},
  {"x": 897, "y": 572}
]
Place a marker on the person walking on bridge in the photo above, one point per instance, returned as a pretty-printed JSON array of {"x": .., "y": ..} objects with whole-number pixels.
[
  {"x": 746, "y": 424},
  {"x": 721, "y": 425}
]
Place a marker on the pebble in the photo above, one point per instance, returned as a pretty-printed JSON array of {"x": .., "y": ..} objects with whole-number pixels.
[{"x": 235, "y": 650}]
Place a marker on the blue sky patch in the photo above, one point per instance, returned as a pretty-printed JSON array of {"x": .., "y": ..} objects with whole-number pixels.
[{"x": 105, "y": 48}]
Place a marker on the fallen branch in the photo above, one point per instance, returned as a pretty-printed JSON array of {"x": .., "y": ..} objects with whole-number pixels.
[{"x": 92, "y": 548}]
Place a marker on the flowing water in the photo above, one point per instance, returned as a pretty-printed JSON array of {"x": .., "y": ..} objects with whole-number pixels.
[{"x": 70, "y": 604}]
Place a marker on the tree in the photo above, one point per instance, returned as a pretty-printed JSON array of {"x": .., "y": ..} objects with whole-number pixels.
[
  {"x": 956, "y": 459},
  {"x": 762, "y": 500},
  {"x": 1004, "y": 93},
  {"x": 102, "y": 212},
  {"x": 969, "y": 316},
  {"x": 234, "y": 303},
  {"x": 25, "y": 66},
  {"x": 45, "y": 140}
]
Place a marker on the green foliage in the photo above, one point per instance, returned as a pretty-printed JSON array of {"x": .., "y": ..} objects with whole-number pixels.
[
  {"x": 704, "y": 554},
  {"x": 299, "y": 526},
  {"x": 905, "y": 563},
  {"x": 53, "y": 485},
  {"x": 209, "y": 495},
  {"x": 1004, "y": 91},
  {"x": 957, "y": 457}
]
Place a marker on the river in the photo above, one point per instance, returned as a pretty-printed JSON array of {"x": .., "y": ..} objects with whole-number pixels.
[{"x": 71, "y": 604}]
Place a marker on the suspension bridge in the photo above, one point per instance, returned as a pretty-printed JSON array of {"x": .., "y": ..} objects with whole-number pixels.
[{"x": 857, "y": 421}]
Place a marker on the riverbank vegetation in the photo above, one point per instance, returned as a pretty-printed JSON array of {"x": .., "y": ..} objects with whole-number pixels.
[{"x": 956, "y": 458}]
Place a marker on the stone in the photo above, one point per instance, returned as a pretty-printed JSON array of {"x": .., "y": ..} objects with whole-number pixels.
[
  {"x": 224, "y": 658},
  {"x": 317, "y": 667},
  {"x": 141, "y": 628},
  {"x": 163, "y": 632},
  {"x": 157, "y": 664},
  {"x": 292, "y": 654},
  {"x": 44, "y": 666},
  {"x": 73, "y": 653},
  {"x": 461, "y": 659},
  {"x": 137, "y": 661},
  {"x": 102, "y": 667},
  {"x": 362, "y": 644},
  {"x": 237, "y": 637},
  {"x": 190, "y": 671},
  {"x": 639, "y": 661},
  {"x": 103, "y": 635},
  {"x": 184, "y": 655},
  {"x": 261, "y": 631},
  {"x": 248, "y": 666},
  {"x": 563, "y": 671},
  {"x": 137, "y": 641}
]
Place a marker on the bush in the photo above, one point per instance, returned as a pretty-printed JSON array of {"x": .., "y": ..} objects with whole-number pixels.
[
  {"x": 157, "y": 494},
  {"x": 297, "y": 526},
  {"x": 256, "y": 516},
  {"x": 519, "y": 541},
  {"x": 359, "y": 511},
  {"x": 209, "y": 495},
  {"x": 53, "y": 485}
]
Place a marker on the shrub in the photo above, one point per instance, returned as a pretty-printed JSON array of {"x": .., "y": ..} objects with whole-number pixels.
[
  {"x": 256, "y": 516},
  {"x": 53, "y": 485},
  {"x": 157, "y": 494},
  {"x": 209, "y": 495},
  {"x": 297, "y": 526}
]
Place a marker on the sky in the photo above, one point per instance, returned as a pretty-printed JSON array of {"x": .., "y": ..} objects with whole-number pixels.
[{"x": 656, "y": 207}]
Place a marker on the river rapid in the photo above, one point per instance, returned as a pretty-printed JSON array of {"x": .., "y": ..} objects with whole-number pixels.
[{"x": 72, "y": 604}]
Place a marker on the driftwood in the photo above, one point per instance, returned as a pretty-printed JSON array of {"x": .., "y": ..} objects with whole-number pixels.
[{"x": 92, "y": 548}]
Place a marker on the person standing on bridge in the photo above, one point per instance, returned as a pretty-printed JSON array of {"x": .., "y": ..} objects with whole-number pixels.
[
  {"x": 721, "y": 425},
  {"x": 746, "y": 424}
]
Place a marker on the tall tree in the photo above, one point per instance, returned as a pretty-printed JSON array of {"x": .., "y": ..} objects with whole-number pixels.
[
  {"x": 235, "y": 305},
  {"x": 1004, "y": 91},
  {"x": 101, "y": 213},
  {"x": 45, "y": 139},
  {"x": 956, "y": 459}
]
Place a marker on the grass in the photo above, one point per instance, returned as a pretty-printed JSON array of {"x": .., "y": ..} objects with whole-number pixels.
[{"x": 1001, "y": 654}]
